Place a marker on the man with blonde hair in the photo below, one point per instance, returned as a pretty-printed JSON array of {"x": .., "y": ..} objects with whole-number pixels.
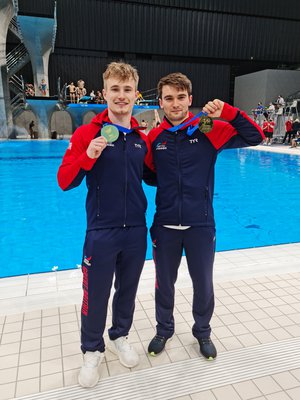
[{"x": 110, "y": 153}]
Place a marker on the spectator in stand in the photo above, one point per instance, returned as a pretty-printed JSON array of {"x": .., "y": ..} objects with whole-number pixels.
[
  {"x": 288, "y": 130},
  {"x": 43, "y": 87},
  {"x": 98, "y": 97},
  {"x": 260, "y": 113},
  {"x": 144, "y": 124},
  {"x": 156, "y": 120},
  {"x": 293, "y": 108},
  {"x": 92, "y": 96},
  {"x": 80, "y": 89},
  {"x": 72, "y": 92},
  {"x": 296, "y": 133},
  {"x": 139, "y": 98},
  {"x": 280, "y": 101},
  {"x": 271, "y": 111},
  {"x": 268, "y": 129},
  {"x": 29, "y": 89},
  {"x": 31, "y": 131}
]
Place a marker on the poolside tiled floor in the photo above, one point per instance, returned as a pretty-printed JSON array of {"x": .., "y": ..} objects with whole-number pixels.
[{"x": 257, "y": 304}]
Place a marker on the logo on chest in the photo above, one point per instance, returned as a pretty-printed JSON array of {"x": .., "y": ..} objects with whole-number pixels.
[
  {"x": 192, "y": 141},
  {"x": 161, "y": 146},
  {"x": 137, "y": 145}
]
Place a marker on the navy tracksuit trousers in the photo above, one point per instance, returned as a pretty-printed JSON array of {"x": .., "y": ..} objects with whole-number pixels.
[
  {"x": 108, "y": 252},
  {"x": 199, "y": 246}
]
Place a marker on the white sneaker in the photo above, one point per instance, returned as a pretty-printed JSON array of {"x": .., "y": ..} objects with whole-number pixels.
[
  {"x": 126, "y": 353},
  {"x": 89, "y": 375}
]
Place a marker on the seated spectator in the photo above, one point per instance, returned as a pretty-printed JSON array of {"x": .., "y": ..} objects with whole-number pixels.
[
  {"x": 99, "y": 98},
  {"x": 296, "y": 132},
  {"x": 295, "y": 141},
  {"x": 29, "y": 89}
]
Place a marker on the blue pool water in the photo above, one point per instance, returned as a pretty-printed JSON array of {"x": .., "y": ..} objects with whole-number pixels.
[{"x": 41, "y": 227}]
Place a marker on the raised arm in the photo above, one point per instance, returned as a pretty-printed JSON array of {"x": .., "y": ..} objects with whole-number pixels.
[{"x": 239, "y": 130}]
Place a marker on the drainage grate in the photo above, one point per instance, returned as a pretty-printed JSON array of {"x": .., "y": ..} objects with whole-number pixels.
[{"x": 190, "y": 376}]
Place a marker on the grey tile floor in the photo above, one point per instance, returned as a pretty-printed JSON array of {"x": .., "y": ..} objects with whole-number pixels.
[{"x": 257, "y": 303}]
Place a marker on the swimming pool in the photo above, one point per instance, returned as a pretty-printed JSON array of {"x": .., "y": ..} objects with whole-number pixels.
[{"x": 42, "y": 228}]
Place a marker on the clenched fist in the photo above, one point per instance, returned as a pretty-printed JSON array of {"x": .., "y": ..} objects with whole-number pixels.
[
  {"x": 96, "y": 147},
  {"x": 214, "y": 108}
]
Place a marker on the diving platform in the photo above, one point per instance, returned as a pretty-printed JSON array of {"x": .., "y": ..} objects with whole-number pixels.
[{"x": 43, "y": 109}]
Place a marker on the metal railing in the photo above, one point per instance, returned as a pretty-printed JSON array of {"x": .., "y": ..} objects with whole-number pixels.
[
  {"x": 17, "y": 83},
  {"x": 16, "y": 59},
  {"x": 150, "y": 94},
  {"x": 18, "y": 103},
  {"x": 16, "y": 6},
  {"x": 14, "y": 27},
  {"x": 54, "y": 28}
]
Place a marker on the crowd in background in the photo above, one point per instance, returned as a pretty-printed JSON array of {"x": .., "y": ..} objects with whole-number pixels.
[{"x": 268, "y": 118}]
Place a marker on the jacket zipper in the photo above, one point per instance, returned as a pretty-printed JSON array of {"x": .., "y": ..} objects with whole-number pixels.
[
  {"x": 126, "y": 178},
  {"x": 206, "y": 202},
  {"x": 98, "y": 201},
  {"x": 179, "y": 178}
]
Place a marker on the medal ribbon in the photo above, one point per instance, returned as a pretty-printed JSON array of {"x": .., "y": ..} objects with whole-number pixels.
[
  {"x": 191, "y": 129},
  {"x": 120, "y": 128}
]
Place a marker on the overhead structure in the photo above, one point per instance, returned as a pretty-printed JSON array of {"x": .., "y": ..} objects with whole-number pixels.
[
  {"x": 7, "y": 11},
  {"x": 39, "y": 38}
]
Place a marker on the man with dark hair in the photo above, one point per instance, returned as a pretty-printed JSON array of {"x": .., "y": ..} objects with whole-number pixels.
[
  {"x": 110, "y": 152},
  {"x": 183, "y": 157}
]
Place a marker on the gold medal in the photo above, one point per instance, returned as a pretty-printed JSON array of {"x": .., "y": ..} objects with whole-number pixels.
[
  {"x": 205, "y": 124},
  {"x": 110, "y": 132}
]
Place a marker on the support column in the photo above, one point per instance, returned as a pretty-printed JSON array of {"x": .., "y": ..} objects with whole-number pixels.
[
  {"x": 37, "y": 33},
  {"x": 6, "y": 14},
  {"x": 43, "y": 109}
]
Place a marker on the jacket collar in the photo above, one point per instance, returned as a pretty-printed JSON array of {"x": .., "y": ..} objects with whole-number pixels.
[
  {"x": 101, "y": 118},
  {"x": 166, "y": 124}
]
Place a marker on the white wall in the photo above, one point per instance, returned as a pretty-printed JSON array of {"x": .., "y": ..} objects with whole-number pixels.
[{"x": 264, "y": 86}]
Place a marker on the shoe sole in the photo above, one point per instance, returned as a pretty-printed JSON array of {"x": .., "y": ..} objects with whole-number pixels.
[
  {"x": 208, "y": 358},
  {"x": 152, "y": 354},
  {"x": 90, "y": 386},
  {"x": 112, "y": 350}
]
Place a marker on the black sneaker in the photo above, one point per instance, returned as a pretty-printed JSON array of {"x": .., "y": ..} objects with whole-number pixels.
[
  {"x": 207, "y": 348},
  {"x": 157, "y": 345}
]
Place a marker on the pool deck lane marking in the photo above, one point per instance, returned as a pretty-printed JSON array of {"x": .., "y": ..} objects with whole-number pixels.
[{"x": 191, "y": 376}]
